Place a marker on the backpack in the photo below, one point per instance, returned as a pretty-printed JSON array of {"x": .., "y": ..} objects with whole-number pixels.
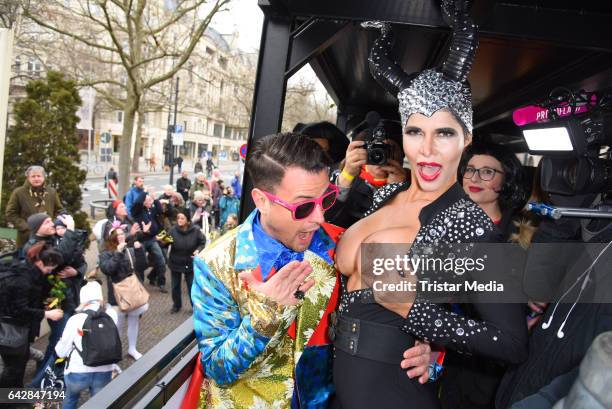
[{"x": 101, "y": 342}]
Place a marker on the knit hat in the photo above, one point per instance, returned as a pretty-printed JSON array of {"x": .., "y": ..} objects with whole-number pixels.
[
  {"x": 92, "y": 291},
  {"x": 185, "y": 213},
  {"x": 35, "y": 221},
  {"x": 116, "y": 204},
  {"x": 58, "y": 222}
]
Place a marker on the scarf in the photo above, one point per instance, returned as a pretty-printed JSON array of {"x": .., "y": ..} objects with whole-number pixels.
[
  {"x": 39, "y": 195},
  {"x": 368, "y": 177}
]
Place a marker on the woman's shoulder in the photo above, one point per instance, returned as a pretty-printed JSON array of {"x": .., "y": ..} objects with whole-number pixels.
[{"x": 466, "y": 221}]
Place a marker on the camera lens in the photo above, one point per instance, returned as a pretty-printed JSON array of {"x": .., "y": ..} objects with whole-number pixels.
[{"x": 377, "y": 157}]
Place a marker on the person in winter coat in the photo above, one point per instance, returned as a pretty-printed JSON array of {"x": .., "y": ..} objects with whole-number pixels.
[
  {"x": 228, "y": 204},
  {"x": 77, "y": 375},
  {"x": 71, "y": 271},
  {"x": 198, "y": 167},
  {"x": 201, "y": 211},
  {"x": 33, "y": 197},
  {"x": 237, "y": 185},
  {"x": 117, "y": 212},
  {"x": 183, "y": 184},
  {"x": 134, "y": 193},
  {"x": 188, "y": 241},
  {"x": 118, "y": 262},
  {"x": 200, "y": 184},
  {"x": 23, "y": 289},
  {"x": 148, "y": 212}
]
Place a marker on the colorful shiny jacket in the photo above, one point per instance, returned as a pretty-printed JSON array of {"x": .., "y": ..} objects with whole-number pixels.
[{"x": 256, "y": 353}]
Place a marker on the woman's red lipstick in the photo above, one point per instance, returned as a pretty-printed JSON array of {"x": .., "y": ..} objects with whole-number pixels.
[
  {"x": 429, "y": 171},
  {"x": 475, "y": 189}
]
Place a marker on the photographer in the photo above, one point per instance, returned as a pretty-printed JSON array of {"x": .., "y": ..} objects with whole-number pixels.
[
  {"x": 228, "y": 204},
  {"x": 360, "y": 177}
]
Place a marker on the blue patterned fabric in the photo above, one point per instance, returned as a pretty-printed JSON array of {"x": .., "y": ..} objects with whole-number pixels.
[
  {"x": 273, "y": 254},
  {"x": 228, "y": 342},
  {"x": 226, "y": 337},
  {"x": 314, "y": 380}
]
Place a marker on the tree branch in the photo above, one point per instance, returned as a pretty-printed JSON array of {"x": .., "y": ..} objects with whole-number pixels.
[
  {"x": 194, "y": 40},
  {"x": 68, "y": 34}
]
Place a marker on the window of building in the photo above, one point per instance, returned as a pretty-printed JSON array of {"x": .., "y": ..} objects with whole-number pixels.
[
  {"x": 228, "y": 133},
  {"x": 18, "y": 64},
  {"x": 34, "y": 66},
  {"x": 217, "y": 129},
  {"x": 120, "y": 117},
  {"x": 223, "y": 62}
]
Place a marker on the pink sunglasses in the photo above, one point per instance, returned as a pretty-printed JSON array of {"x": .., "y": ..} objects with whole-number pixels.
[{"x": 304, "y": 209}]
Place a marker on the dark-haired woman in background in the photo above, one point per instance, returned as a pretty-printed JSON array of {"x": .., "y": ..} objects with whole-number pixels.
[
  {"x": 23, "y": 290},
  {"x": 493, "y": 178},
  {"x": 188, "y": 241}
]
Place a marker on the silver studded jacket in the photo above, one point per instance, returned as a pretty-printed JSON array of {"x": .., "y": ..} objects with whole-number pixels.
[{"x": 487, "y": 329}]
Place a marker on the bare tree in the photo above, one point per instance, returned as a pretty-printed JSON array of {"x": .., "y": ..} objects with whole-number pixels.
[
  {"x": 142, "y": 42},
  {"x": 9, "y": 13}
]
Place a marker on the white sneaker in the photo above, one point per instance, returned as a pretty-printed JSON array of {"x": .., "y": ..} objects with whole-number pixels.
[{"x": 135, "y": 354}]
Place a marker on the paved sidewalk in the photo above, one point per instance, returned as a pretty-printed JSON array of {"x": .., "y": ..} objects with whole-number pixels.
[{"x": 225, "y": 166}]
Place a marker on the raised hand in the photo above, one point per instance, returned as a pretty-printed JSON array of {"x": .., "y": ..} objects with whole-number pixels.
[{"x": 282, "y": 286}]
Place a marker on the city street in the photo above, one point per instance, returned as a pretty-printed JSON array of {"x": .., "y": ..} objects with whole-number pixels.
[{"x": 93, "y": 188}]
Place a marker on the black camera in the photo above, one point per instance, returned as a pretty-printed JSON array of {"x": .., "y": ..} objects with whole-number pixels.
[
  {"x": 574, "y": 159},
  {"x": 378, "y": 151}
]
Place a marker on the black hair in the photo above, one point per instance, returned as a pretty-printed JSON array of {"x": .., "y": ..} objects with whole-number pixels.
[
  {"x": 298, "y": 127},
  {"x": 185, "y": 213},
  {"x": 45, "y": 253},
  {"x": 338, "y": 142},
  {"x": 273, "y": 154},
  {"x": 513, "y": 193}
]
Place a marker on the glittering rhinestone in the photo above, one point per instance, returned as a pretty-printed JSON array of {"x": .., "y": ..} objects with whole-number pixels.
[
  {"x": 438, "y": 323},
  {"x": 460, "y": 215},
  {"x": 471, "y": 323},
  {"x": 460, "y": 331},
  {"x": 479, "y": 231},
  {"x": 494, "y": 338}
]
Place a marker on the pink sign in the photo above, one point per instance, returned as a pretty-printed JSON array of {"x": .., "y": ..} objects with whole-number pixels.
[{"x": 533, "y": 113}]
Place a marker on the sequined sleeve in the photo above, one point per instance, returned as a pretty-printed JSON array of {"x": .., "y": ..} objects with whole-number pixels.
[
  {"x": 228, "y": 342},
  {"x": 501, "y": 333}
]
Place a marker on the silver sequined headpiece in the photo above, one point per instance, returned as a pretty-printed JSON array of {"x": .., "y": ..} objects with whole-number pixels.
[{"x": 429, "y": 91}]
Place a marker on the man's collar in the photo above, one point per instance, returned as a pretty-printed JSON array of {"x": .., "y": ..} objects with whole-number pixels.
[{"x": 255, "y": 247}]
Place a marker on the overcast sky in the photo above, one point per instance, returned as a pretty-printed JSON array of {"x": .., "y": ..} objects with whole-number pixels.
[{"x": 244, "y": 16}]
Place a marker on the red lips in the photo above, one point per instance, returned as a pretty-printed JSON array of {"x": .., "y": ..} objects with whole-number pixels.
[
  {"x": 429, "y": 171},
  {"x": 475, "y": 189}
]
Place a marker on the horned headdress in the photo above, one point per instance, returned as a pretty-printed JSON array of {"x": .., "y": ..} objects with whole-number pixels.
[{"x": 428, "y": 91}]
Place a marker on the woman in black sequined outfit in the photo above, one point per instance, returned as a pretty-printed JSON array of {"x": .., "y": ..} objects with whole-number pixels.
[{"x": 371, "y": 333}]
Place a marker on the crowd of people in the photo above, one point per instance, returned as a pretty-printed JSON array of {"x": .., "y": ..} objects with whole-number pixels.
[
  {"x": 48, "y": 277},
  {"x": 284, "y": 309}
]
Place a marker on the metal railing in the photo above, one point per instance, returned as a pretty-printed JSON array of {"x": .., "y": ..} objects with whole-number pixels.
[
  {"x": 99, "y": 204},
  {"x": 152, "y": 380}
]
